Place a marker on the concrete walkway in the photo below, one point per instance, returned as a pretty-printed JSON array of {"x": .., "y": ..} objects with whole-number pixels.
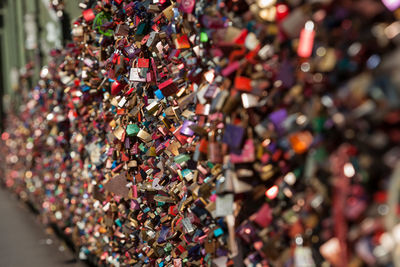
[{"x": 24, "y": 241}]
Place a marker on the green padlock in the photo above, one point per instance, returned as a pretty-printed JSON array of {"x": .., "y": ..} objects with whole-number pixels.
[
  {"x": 132, "y": 129},
  {"x": 181, "y": 158},
  {"x": 142, "y": 28}
]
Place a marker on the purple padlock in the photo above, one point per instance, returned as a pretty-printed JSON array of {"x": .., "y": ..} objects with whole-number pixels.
[
  {"x": 130, "y": 51},
  {"x": 233, "y": 136},
  {"x": 277, "y": 117},
  {"x": 185, "y": 130}
]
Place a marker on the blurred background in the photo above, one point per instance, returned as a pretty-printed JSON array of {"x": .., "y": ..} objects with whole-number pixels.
[{"x": 29, "y": 29}]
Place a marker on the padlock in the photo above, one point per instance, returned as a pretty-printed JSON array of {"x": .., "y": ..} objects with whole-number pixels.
[{"x": 135, "y": 73}]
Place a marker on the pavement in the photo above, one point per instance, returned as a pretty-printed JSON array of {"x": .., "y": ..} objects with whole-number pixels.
[{"x": 24, "y": 241}]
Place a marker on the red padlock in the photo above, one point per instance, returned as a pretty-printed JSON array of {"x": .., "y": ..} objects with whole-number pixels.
[
  {"x": 168, "y": 87},
  {"x": 88, "y": 15},
  {"x": 282, "y": 11},
  {"x": 117, "y": 87},
  {"x": 143, "y": 62}
]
